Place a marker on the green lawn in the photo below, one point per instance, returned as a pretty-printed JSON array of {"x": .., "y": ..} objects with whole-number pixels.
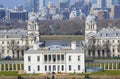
[
  {"x": 14, "y": 73},
  {"x": 8, "y": 73},
  {"x": 62, "y": 37},
  {"x": 106, "y": 72}
]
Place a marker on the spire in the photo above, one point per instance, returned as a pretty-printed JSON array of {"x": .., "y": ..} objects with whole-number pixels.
[{"x": 92, "y": 11}]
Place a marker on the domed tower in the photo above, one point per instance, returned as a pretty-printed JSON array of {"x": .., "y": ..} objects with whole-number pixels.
[
  {"x": 32, "y": 27},
  {"x": 90, "y": 25}
]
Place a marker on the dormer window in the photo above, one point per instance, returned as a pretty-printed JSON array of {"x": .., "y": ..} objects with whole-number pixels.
[{"x": 106, "y": 34}]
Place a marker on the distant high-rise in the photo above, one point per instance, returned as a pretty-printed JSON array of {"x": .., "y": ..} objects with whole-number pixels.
[
  {"x": 101, "y": 3},
  {"x": 32, "y": 4},
  {"x": 64, "y": 3},
  {"x": 41, "y": 3}
]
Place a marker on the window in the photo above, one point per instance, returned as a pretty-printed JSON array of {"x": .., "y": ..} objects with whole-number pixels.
[
  {"x": 113, "y": 50},
  {"x": 69, "y": 58},
  {"x": 29, "y": 68},
  {"x": 62, "y": 57},
  {"x": 49, "y": 68},
  {"x": 69, "y": 67},
  {"x": 118, "y": 41},
  {"x": 45, "y": 68},
  {"x": 62, "y": 67},
  {"x": 45, "y": 57},
  {"x": 78, "y": 58},
  {"x": 38, "y": 68},
  {"x": 38, "y": 58},
  {"x": 113, "y": 41},
  {"x": 58, "y": 67},
  {"x": 78, "y": 67},
  {"x": 58, "y": 57},
  {"x": 54, "y": 68},
  {"x": 2, "y": 42},
  {"x": 29, "y": 58}
]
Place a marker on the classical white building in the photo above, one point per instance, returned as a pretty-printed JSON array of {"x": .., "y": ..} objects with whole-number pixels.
[
  {"x": 54, "y": 58},
  {"x": 14, "y": 42},
  {"x": 102, "y": 43}
]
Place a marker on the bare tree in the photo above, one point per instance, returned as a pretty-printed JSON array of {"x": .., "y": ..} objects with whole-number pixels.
[
  {"x": 13, "y": 46},
  {"x": 106, "y": 47}
]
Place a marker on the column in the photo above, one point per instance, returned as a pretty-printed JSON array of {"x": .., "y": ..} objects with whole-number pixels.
[
  {"x": 8, "y": 65},
  {"x": 0, "y": 67},
  {"x": 108, "y": 66},
  {"x": 20, "y": 54},
  {"x": 86, "y": 53},
  {"x": 47, "y": 58},
  {"x": 20, "y": 67},
  {"x": 104, "y": 67},
  {"x": 16, "y": 67},
  {"x": 112, "y": 66},
  {"x": 12, "y": 67},
  {"x": 91, "y": 54},
  {"x": 96, "y": 53},
  {"x": 56, "y": 58},
  {"x": 105, "y": 54},
  {"x": 116, "y": 66},
  {"x": 101, "y": 55},
  {"x": 100, "y": 65},
  {"x": 4, "y": 66}
]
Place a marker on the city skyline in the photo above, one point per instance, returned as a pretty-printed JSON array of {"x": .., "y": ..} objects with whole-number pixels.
[{"x": 14, "y": 3}]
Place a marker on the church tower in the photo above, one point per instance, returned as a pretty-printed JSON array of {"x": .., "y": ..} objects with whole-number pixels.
[
  {"x": 32, "y": 27},
  {"x": 90, "y": 25}
]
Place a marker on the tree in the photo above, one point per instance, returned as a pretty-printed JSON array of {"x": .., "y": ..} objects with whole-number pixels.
[
  {"x": 13, "y": 46},
  {"x": 106, "y": 47}
]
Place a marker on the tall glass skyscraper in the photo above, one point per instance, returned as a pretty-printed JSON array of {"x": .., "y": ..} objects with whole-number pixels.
[
  {"x": 42, "y": 3},
  {"x": 32, "y": 4}
]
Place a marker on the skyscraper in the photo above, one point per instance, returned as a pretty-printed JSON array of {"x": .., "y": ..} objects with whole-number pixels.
[
  {"x": 41, "y": 3},
  {"x": 32, "y": 4},
  {"x": 101, "y": 3},
  {"x": 64, "y": 3}
]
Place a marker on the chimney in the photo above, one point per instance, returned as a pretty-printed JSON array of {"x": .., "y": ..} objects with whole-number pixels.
[{"x": 73, "y": 45}]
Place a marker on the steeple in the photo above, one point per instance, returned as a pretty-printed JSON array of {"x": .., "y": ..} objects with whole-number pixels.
[{"x": 32, "y": 26}]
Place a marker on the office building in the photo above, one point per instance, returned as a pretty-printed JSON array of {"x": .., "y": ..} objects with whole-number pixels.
[
  {"x": 41, "y": 4},
  {"x": 101, "y": 3},
  {"x": 2, "y": 13}
]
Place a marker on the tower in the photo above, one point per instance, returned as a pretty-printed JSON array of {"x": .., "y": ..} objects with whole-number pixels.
[
  {"x": 41, "y": 4},
  {"x": 90, "y": 25},
  {"x": 32, "y": 27}
]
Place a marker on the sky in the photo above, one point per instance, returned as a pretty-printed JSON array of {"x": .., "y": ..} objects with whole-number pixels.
[{"x": 11, "y": 3}]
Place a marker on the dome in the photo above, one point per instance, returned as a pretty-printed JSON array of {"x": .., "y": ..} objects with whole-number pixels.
[
  {"x": 32, "y": 16},
  {"x": 90, "y": 18}
]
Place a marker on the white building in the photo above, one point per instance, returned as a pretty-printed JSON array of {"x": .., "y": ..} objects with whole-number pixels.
[
  {"x": 102, "y": 43},
  {"x": 14, "y": 42},
  {"x": 54, "y": 58}
]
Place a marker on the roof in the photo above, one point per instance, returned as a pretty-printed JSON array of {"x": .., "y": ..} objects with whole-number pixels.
[
  {"x": 13, "y": 33},
  {"x": 109, "y": 32}
]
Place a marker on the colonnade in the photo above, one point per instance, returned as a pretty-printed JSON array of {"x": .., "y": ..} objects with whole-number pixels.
[
  {"x": 96, "y": 54},
  {"x": 104, "y": 66},
  {"x": 11, "y": 67}
]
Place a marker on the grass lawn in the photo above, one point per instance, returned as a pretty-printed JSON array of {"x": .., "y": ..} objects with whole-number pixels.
[
  {"x": 8, "y": 73},
  {"x": 62, "y": 37},
  {"x": 14, "y": 73},
  {"x": 106, "y": 72}
]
